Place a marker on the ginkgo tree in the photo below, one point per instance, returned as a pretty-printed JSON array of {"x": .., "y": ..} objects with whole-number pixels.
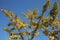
[{"x": 50, "y": 24}]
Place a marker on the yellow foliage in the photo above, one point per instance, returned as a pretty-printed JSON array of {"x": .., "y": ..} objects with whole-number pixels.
[
  {"x": 58, "y": 26},
  {"x": 21, "y": 25},
  {"x": 8, "y": 13},
  {"x": 8, "y": 30},
  {"x": 30, "y": 13},
  {"x": 52, "y": 38},
  {"x": 9, "y": 38},
  {"x": 46, "y": 6},
  {"x": 43, "y": 22},
  {"x": 14, "y": 36},
  {"x": 35, "y": 12},
  {"x": 53, "y": 23},
  {"x": 36, "y": 33},
  {"x": 34, "y": 26},
  {"x": 25, "y": 33},
  {"x": 46, "y": 18}
]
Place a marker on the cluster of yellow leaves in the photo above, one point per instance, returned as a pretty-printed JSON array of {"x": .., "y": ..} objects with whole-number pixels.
[
  {"x": 15, "y": 21},
  {"x": 19, "y": 24},
  {"x": 31, "y": 14},
  {"x": 57, "y": 23},
  {"x": 8, "y": 30},
  {"x": 8, "y": 13},
  {"x": 15, "y": 36},
  {"x": 46, "y": 18},
  {"x": 47, "y": 5},
  {"x": 25, "y": 33},
  {"x": 54, "y": 11},
  {"x": 52, "y": 38},
  {"x": 53, "y": 35},
  {"x": 11, "y": 33},
  {"x": 44, "y": 23}
]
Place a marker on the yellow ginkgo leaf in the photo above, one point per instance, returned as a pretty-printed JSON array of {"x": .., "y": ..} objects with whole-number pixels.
[
  {"x": 18, "y": 20},
  {"x": 35, "y": 11},
  {"x": 34, "y": 26},
  {"x": 8, "y": 30},
  {"x": 25, "y": 33},
  {"x": 25, "y": 24},
  {"x": 52, "y": 38},
  {"x": 46, "y": 18},
  {"x": 30, "y": 13},
  {"x": 18, "y": 26},
  {"x": 13, "y": 21},
  {"x": 21, "y": 25},
  {"x": 14, "y": 36}
]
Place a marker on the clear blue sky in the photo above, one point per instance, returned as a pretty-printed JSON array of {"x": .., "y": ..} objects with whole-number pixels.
[{"x": 17, "y": 6}]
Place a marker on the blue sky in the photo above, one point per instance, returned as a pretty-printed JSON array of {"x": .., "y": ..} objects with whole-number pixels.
[{"x": 17, "y": 6}]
